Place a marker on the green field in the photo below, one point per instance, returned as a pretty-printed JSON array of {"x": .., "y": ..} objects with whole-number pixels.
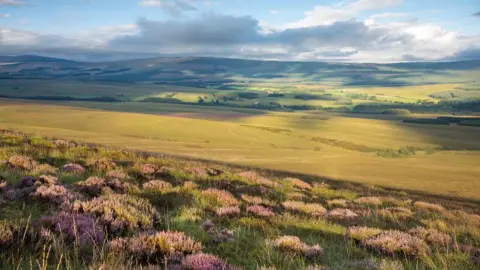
[{"x": 386, "y": 152}]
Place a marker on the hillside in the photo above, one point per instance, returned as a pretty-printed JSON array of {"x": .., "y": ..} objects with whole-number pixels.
[{"x": 66, "y": 204}]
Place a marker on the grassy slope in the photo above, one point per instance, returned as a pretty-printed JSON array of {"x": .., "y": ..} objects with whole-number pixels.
[{"x": 245, "y": 138}]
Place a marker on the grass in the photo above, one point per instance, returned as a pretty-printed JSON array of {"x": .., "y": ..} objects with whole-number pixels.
[
  {"x": 281, "y": 141},
  {"x": 175, "y": 217}
]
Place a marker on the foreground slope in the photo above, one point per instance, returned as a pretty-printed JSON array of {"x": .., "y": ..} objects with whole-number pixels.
[{"x": 71, "y": 205}]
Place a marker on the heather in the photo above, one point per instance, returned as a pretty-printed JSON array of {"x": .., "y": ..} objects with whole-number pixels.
[{"x": 66, "y": 205}]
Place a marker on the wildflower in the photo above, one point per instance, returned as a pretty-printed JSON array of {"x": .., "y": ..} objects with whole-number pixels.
[
  {"x": 312, "y": 209},
  {"x": 298, "y": 183},
  {"x": 361, "y": 233},
  {"x": 369, "y": 201},
  {"x": 218, "y": 197},
  {"x": 21, "y": 162},
  {"x": 341, "y": 214},
  {"x": 75, "y": 227},
  {"x": 73, "y": 168},
  {"x": 228, "y": 211},
  {"x": 55, "y": 194},
  {"x": 432, "y": 236},
  {"x": 260, "y": 211},
  {"x": 429, "y": 206},
  {"x": 396, "y": 242}
]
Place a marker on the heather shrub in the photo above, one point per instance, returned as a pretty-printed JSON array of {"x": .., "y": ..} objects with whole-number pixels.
[
  {"x": 396, "y": 213},
  {"x": 298, "y": 183},
  {"x": 21, "y": 162},
  {"x": 120, "y": 213},
  {"x": 338, "y": 203},
  {"x": 254, "y": 178},
  {"x": 73, "y": 168},
  {"x": 148, "y": 169},
  {"x": 432, "y": 236},
  {"x": 203, "y": 261},
  {"x": 251, "y": 199},
  {"x": 228, "y": 211},
  {"x": 215, "y": 197},
  {"x": 79, "y": 228},
  {"x": 341, "y": 214},
  {"x": 293, "y": 244},
  {"x": 260, "y": 211},
  {"x": 295, "y": 196},
  {"x": 52, "y": 194},
  {"x": 368, "y": 201},
  {"x": 155, "y": 247},
  {"x": 101, "y": 164},
  {"x": 95, "y": 186},
  {"x": 116, "y": 174},
  {"x": 47, "y": 180},
  {"x": 396, "y": 242},
  {"x": 197, "y": 172},
  {"x": 62, "y": 144},
  {"x": 312, "y": 209},
  {"x": 430, "y": 207},
  {"x": 156, "y": 186},
  {"x": 362, "y": 233},
  {"x": 45, "y": 169}
]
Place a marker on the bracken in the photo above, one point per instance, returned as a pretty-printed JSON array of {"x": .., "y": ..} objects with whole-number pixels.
[
  {"x": 312, "y": 209},
  {"x": 396, "y": 242}
]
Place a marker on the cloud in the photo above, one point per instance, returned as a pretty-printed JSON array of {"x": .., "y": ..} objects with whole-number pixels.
[
  {"x": 477, "y": 14},
  {"x": 12, "y": 2},
  {"x": 5, "y": 15},
  {"x": 174, "y": 7}
]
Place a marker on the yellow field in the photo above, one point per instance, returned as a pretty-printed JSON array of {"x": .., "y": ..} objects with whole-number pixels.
[{"x": 321, "y": 144}]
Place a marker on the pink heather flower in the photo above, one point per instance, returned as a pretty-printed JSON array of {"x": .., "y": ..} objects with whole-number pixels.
[
  {"x": 118, "y": 174},
  {"x": 396, "y": 242},
  {"x": 22, "y": 162},
  {"x": 198, "y": 172},
  {"x": 228, "y": 211},
  {"x": 203, "y": 261},
  {"x": 219, "y": 197},
  {"x": 260, "y": 211},
  {"x": 253, "y": 177},
  {"x": 342, "y": 214},
  {"x": 93, "y": 185},
  {"x": 55, "y": 194},
  {"x": 76, "y": 227},
  {"x": 432, "y": 236},
  {"x": 312, "y": 209},
  {"x": 73, "y": 168},
  {"x": 298, "y": 183},
  {"x": 101, "y": 164},
  {"x": 148, "y": 169}
]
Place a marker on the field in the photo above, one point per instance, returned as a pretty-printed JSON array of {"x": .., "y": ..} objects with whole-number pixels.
[{"x": 434, "y": 159}]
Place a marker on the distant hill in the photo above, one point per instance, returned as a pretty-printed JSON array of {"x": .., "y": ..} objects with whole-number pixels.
[{"x": 217, "y": 72}]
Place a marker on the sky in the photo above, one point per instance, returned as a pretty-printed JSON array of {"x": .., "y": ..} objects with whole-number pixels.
[{"x": 293, "y": 30}]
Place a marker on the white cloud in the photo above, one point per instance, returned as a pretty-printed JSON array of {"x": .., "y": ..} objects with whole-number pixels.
[
  {"x": 174, "y": 7},
  {"x": 274, "y": 12},
  {"x": 12, "y": 2},
  {"x": 5, "y": 15}
]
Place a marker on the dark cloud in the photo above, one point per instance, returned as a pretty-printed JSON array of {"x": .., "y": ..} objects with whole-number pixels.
[
  {"x": 173, "y": 7},
  {"x": 477, "y": 14},
  {"x": 472, "y": 53}
]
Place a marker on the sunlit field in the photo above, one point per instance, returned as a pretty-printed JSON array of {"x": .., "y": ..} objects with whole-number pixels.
[{"x": 433, "y": 159}]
